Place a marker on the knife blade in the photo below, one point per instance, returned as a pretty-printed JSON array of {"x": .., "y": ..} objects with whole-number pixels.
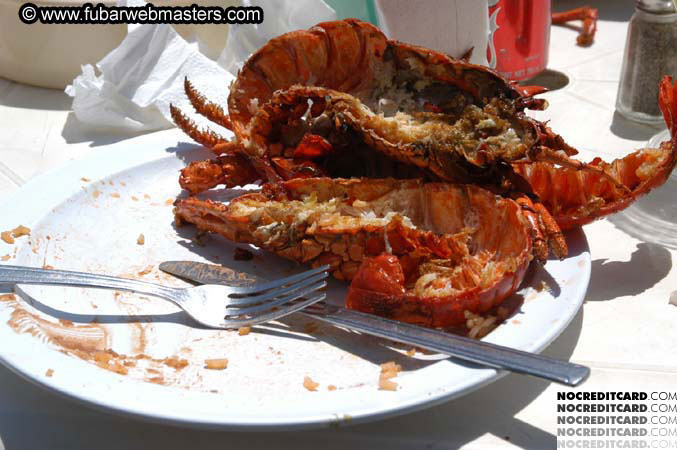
[{"x": 467, "y": 349}]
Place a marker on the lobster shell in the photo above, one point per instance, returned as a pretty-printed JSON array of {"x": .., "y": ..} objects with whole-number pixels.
[
  {"x": 576, "y": 196},
  {"x": 456, "y": 248},
  {"x": 349, "y": 56}
]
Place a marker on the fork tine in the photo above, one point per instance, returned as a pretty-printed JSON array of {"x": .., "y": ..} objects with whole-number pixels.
[
  {"x": 273, "y": 315},
  {"x": 278, "y": 301},
  {"x": 262, "y": 287},
  {"x": 246, "y": 301}
]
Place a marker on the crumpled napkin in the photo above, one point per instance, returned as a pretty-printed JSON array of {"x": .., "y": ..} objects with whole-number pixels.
[
  {"x": 138, "y": 80},
  {"x": 141, "y": 77},
  {"x": 280, "y": 16}
]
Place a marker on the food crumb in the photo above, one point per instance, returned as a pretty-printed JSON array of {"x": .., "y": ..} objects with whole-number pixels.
[
  {"x": 96, "y": 193},
  {"x": 388, "y": 370},
  {"x": 141, "y": 239},
  {"x": 49, "y": 372},
  {"x": 7, "y": 297},
  {"x": 411, "y": 351},
  {"x": 156, "y": 380},
  {"x": 8, "y": 236},
  {"x": 216, "y": 364},
  {"x": 145, "y": 271},
  {"x": 21, "y": 231},
  {"x": 146, "y": 196},
  {"x": 309, "y": 384},
  {"x": 169, "y": 202},
  {"x": 385, "y": 384},
  {"x": 103, "y": 360},
  {"x": 331, "y": 387},
  {"x": 243, "y": 331},
  {"x": 115, "y": 195},
  {"x": 135, "y": 198},
  {"x": 86, "y": 180},
  {"x": 48, "y": 267},
  {"x": 5, "y": 258},
  {"x": 176, "y": 363}
]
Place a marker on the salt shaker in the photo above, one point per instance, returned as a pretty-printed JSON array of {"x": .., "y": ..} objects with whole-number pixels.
[{"x": 650, "y": 53}]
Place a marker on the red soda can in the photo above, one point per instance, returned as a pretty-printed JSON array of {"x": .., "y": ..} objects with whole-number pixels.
[{"x": 519, "y": 37}]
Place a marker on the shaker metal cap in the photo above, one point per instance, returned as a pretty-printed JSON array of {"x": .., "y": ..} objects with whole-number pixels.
[{"x": 656, "y": 6}]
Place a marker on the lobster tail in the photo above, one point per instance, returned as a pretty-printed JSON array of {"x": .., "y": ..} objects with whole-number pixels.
[{"x": 576, "y": 196}]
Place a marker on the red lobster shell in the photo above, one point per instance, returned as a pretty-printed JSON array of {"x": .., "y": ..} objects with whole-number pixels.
[{"x": 425, "y": 253}]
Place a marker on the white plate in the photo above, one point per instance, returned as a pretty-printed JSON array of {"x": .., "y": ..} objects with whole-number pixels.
[{"x": 51, "y": 335}]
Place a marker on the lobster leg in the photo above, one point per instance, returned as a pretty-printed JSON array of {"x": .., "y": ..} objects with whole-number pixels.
[
  {"x": 589, "y": 17},
  {"x": 210, "y": 110},
  {"x": 208, "y": 138},
  {"x": 231, "y": 170},
  {"x": 545, "y": 233}
]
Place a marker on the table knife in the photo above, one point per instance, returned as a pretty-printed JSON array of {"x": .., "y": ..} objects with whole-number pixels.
[{"x": 466, "y": 349}]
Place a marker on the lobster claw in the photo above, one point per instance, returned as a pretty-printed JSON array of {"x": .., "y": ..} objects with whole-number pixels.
[{"x": 530, "y": 91}]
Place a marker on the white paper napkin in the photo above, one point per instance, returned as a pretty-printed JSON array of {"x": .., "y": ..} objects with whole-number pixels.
[
  {"x": 280, "y": 16},
  {"x": 133, "y": 85},
  {"x": 141, "y": 77}
]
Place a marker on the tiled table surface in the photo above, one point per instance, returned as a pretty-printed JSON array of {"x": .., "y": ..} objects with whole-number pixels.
[{"x": 625, "y": 331}]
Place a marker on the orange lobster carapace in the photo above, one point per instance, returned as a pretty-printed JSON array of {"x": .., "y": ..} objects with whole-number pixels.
[{"x": 436, "y": 249}]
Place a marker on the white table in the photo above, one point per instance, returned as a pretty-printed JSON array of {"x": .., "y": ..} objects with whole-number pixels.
[{"x": 625, "y": 331}]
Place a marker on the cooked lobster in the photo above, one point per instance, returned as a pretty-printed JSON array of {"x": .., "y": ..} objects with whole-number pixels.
[
  {"x": 340, "y": 100},
  {"x": 421, "y": 252},
  {"x": 470, "y": 107}
]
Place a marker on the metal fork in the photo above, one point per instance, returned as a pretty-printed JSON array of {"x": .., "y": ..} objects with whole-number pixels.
[{"x": 215, "y": 306}]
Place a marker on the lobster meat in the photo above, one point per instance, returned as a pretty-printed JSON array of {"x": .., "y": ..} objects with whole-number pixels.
[{"x": 420, "y": 252}]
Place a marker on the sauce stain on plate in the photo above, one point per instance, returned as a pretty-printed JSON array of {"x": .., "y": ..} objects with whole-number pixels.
[{"x": 64, "y": 334}]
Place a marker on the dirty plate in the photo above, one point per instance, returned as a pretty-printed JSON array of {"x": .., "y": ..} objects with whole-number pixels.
[{"x": 112, "y": 213}]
